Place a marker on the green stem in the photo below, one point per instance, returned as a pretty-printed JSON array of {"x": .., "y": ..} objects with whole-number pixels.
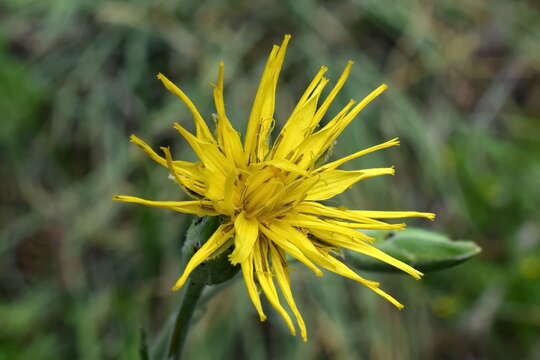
[{"x": 181, "y": 326}]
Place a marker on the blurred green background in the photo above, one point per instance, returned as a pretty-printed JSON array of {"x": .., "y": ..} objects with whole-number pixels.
[{"x": 81, "y": 275}]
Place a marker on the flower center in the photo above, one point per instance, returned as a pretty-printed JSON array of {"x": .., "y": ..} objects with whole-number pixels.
[{"x": 266, "y": 192}]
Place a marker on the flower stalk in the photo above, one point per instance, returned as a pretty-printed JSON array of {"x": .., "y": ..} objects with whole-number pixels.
[{"x": 183, "y": 319}]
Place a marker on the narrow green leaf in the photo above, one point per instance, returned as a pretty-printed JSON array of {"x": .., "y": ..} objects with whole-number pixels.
[{"x": 422, "y": 249}]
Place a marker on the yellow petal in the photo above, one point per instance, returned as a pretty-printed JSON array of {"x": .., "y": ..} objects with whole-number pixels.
[
  {"x": 328, "y": 101},
  {"x": 309, "y": 207},
  {"x": 392, "y": 214},
  {"x": 337, "y": 163},
  {"x": 339, "y": 240},
  {"x": 208, "y": 153},
  {"x": 294, "y": 194},
  {"x": 355, "y": 225},
  {"x": 344, "y": 270},
  {"x": 230, "y": 197},
  {"x": 321, "y": 141},
  {"x": 247, "y": 233},
  {"x": 339, "y": 124},
  {"x": 197, "y": 207},
  {"x": 312, "y": 222},
  {"x": 188, "y": 184},
  {"x": 254, "y": 122},
  {"x": 300, "y": 241},
  {"x": 285, "y": 165},
  {"x": 310, "y": 89},
  {"x": 189, "y": 172},
  {"x": 281, "y": 241},
  {"x": 203, "y": 132},
  {"x": 298, "y": 126},
  {"x": 228, "y": 138},
  {"x": 309, "y": 150},
  {"x": 261, "y": 118},
  {"x": 280, "y": 268},
  {"x": 334, "y": 182},
  {"x": 264, "y": 276},
  {"x": 247, "y": 273},
  {"x": 388, "y": 297},
  {"x": 147, "y": 149},
  {"x": 215, "y": 242}
]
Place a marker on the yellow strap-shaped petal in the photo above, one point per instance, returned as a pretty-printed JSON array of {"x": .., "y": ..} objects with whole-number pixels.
[
  {"x": 264, "y": 276},
  {"x": 223, "y": 233},
  {"x": 308, "y": 207},
  {"x": 299, "y": 240},
  {"x": 228, "y": 138},
  {"x": 247, "y": 233},
  {"x": 331, "y": 96},
  {"x": 298, "y": 125},
  {"x": 294, "y": 194},
  {"x": 185, "y": 168},
  {"x": 309, "y": 150},
  {"x": 247, "y": 273},
  {"x": 308, "y": 93},
  {"x": 187, "y": 184},
  {"x": 392, "y": 214},
  {"x": 285, "y": 165},
  {"x": 311, "y": 222},
  {"x": 197, "y": 207},
  {"x": 282, "y": 276},
  {"x": 203, "y": 132},
  {"x": 343, "y": 270},
  {"x": 282, "y": 242},
  {"x": 387, "y": 296},
  {"x": 337, "y": 163},
  {"x": 334, "y": 182},
  {"x": 254, "y": 122},
  {"x": 340, "y": 124},
  {"x": 208, "y": 153},
  {"x": 261, "y": 118},
  {"x": 355, "y": 225},
  {"x": 339, "y": 240},
  {"x": 323, "y": 139}
]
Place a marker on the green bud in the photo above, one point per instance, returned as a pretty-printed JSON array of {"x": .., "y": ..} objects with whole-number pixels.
[{"x": 424, "y": 250}]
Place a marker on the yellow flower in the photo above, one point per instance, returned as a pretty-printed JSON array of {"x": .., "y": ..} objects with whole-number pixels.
[{"x": 269, "y": 193}]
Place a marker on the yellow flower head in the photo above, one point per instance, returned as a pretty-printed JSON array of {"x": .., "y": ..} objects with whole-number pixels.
[{"x": 269, "y": 193}]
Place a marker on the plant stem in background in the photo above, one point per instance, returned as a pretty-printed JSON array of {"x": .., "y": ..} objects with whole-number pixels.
[{"x": 183, "y": 319}]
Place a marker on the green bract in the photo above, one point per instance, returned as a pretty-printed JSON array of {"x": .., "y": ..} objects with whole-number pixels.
[{"x": 425, "y": 250}]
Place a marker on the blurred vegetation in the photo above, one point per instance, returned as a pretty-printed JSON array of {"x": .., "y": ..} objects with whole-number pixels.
[{"x": 81, "y": 275}]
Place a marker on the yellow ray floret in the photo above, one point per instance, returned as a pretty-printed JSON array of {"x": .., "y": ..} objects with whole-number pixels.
[{"x": 267, "y": 195}]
